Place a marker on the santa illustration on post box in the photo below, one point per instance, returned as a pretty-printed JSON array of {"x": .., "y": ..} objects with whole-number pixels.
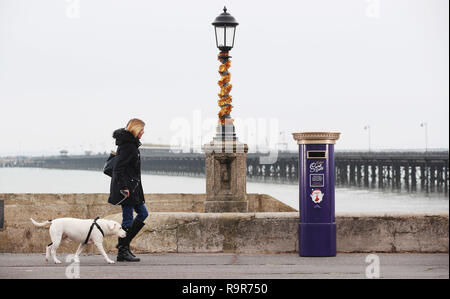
[{"x": 316, "y": 195}]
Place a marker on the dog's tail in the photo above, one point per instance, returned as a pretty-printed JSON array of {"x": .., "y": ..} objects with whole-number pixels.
[{"x": 42, "y": 223}]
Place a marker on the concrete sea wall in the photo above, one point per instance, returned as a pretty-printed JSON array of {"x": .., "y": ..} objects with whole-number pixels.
[{"x": 177, "y": 223}]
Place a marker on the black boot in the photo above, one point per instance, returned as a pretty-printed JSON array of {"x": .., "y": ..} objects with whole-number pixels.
[
  {"x": 134, "y": 229},
  {"x": 124, "y": 254},
  {"x": 117, "y": 246}
]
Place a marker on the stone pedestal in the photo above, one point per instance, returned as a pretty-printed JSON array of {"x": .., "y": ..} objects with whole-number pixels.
[{"x": 226, "y": 174}]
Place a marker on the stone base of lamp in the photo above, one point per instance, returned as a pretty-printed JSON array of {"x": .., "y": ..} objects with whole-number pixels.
[{"x": 226, "y": 174}]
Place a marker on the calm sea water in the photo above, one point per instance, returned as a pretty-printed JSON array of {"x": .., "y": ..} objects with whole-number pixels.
[{"x": 40, "y": 180}]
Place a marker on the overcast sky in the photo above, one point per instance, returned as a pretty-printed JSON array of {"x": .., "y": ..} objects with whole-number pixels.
[{"x": 72, "y": 71}]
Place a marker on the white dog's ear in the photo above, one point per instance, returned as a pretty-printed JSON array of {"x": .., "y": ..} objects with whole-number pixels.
[{"x": 111, "y": 225}]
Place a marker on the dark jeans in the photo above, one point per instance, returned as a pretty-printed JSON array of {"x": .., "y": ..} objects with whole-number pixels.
[{"x": 127, "y": 214}]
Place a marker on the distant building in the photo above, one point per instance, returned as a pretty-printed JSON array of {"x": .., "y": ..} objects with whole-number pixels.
[
  {"x": 148, "y": 149},
  {"x": 63, "y": 153}
]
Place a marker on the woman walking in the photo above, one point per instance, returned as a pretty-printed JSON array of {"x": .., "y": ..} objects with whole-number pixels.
[{"x": 126, "y": 187}]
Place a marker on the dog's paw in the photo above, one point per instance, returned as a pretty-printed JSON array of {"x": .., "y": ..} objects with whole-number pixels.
[
  {"x": 57, "y": 262},
  {"x": 111, "y": 262}
]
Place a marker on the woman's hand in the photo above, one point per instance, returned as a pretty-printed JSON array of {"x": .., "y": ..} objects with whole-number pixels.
[{"x": 125, "y": 192}]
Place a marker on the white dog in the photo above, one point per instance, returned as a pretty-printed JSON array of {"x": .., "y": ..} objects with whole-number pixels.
[{"x": 77, "y": 230}]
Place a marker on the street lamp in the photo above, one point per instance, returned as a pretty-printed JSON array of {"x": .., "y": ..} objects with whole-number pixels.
[
  {"x": 426, "y": 135},
  {"x": 225, "y": 159},
  {"x": 368, "y": 129},
  {"x": 225, "y": 28}
]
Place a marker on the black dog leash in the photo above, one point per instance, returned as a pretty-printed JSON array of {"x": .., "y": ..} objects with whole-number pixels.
[{"x": 92, "y": 227}]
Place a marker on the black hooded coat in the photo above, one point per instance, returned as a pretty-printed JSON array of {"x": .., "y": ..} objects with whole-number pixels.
[{"x": 127, "y": 170}]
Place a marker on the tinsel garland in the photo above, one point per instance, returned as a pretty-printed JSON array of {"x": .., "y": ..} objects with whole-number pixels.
[{"x": 225, "y": 88}]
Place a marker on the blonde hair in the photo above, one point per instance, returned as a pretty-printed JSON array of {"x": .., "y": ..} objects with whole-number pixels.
[{"x": 135, "y": 126}]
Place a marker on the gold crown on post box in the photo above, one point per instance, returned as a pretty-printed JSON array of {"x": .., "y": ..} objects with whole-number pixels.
[{"x": 316, "y": 137}]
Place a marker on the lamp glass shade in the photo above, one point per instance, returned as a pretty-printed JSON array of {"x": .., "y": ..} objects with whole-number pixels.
[
  {"x": 229, "y": 36},
  {"x": 225, "y": 37},
  {"x": 220, "y": 37}
]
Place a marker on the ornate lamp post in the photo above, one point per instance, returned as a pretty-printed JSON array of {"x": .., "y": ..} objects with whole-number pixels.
[
  {"x": 225, "y": 161},
  {"x": 425, "y": 125},
  {"x": 368, "y": 129},
  {"x": 225, "y": 28}
]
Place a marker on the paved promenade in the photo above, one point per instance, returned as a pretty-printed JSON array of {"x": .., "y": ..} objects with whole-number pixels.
[{"x": 229, "y": 266}]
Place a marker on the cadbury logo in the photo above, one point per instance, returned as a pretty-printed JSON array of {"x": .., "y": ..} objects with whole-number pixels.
[{"x": 316, "y": 167}]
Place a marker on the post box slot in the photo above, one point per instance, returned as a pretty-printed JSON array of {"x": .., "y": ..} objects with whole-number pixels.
[{"x": 317, "y": 155}]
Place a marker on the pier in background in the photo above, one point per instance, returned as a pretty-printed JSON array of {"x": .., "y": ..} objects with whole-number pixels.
[{"x": 396, "y": 170}]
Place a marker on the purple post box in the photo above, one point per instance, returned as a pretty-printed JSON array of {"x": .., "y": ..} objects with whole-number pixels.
[{"x": 317, "y": 228}]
